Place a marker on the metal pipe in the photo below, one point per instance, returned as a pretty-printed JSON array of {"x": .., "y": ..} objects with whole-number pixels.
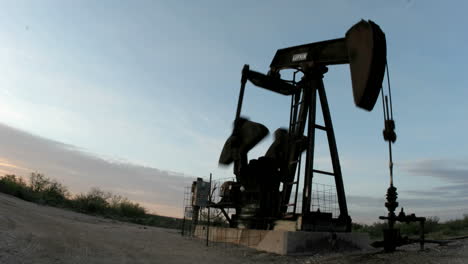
[
  {"x": 245, "y": 71},
  {"x": 390, "y": 165},
  {"x": 209, "y": 205}
]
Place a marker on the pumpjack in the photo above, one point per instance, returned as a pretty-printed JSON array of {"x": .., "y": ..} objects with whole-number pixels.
[{"x": 262, "y": 191}]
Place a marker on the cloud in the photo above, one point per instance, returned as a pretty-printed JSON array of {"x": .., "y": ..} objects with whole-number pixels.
[
  {"x": 367, "y": 209},
  {"x": 22, "y": 153},
  {"x": 162, "y": 191},
  {"x": 454, "y": 171},
  {"x": 447, "y": 200}
]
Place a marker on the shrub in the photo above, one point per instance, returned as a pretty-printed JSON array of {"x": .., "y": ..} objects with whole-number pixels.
[
  {"x": 95, "y": 201},
  {"x": 46, "y": 191},
  {"x": 38, "y": 182},
  {"x": 374, "y": 230},
  {"x": 13, "y": 185},
  {"x": 130, "y": 209},
  {"x": 431, "y": 225},
  {"x": 55, "y": 193}
]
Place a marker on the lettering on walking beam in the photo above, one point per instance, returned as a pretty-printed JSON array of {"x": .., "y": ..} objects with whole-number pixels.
[{"x": 299, "y": 57}]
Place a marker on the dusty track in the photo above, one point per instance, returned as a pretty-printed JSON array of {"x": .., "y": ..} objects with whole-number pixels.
[{"x": 31, "y": 233}]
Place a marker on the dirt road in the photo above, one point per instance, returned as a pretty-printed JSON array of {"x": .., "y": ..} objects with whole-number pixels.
[{"x": 31, "y": 233}]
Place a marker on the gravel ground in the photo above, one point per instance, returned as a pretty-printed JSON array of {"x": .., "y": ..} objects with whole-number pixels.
[{"x": 31, "y": 233}]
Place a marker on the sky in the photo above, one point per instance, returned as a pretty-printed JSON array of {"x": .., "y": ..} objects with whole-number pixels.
[{"x": 138, "y": 97}]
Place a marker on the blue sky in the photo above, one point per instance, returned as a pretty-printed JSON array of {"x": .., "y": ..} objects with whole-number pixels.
[{"x": 155, "y": 84}]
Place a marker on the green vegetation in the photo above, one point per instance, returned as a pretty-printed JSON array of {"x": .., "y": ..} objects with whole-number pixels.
[
  {"x": 432, "y": 228},
  {"x": 43, "y": 190}
]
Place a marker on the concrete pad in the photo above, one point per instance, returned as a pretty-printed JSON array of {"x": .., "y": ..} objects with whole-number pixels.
[
  {"x": 309, "y": 243},
  {"x": 274, "y": 242},
  {"x": 288, "y": 242},
  {"x": 285, "y": 225}
]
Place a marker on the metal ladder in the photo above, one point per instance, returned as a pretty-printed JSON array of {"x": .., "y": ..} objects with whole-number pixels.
[{"x": 296, "y": 101}]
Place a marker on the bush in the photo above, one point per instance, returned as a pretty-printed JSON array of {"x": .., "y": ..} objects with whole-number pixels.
[
  {"x": 38, "y": 182},
  {"x": 48, "y": 191},
  {"x": 375, "y": 230},
  {"x": 13, "y": 185},
  {"x": 130, "y": 209},
  {"x": 431, "y": 225},
  {"x": 43, "y": 190},
  {"x": 95, "y": 201},
  {"x": 55, "y": 194}
]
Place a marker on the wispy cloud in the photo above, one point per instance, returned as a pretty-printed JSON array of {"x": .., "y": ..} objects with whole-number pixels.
[
  {"x": 367, "y": 209},
  {"x": 453, "y": 174},
  {"x": 449, "y": 170},
  {"x": 162, "y": 191},
  {"x": 448, "y": 200}
]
